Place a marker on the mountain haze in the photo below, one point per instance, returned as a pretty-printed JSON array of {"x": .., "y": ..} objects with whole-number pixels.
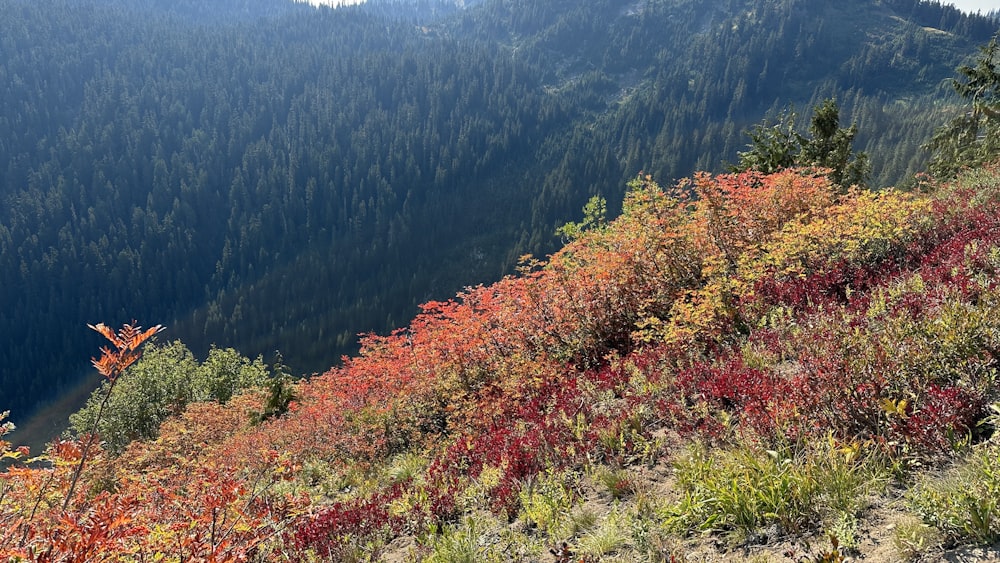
[{"x": 272, "y": 176}]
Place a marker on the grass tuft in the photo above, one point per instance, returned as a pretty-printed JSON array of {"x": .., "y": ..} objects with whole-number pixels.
[
  {"x": 758, "y": 496},
  {"x": 964, "y": 502}
]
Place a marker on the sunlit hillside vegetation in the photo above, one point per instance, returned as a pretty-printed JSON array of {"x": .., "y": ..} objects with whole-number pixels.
[
  {"x": 774, "y": 364},
  {"x": 267, "y": 175},
  {"x": 737, "y": 363}
]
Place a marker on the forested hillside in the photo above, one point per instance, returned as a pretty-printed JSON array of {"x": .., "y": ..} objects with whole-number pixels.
[
  {"x": 267, "y": 175},
  {"x": 740, "y": 367}
]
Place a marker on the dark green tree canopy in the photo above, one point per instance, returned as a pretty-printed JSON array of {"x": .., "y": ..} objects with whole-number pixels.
[
  {"x": 972, "y": 138},
  {"x": 828, "y": 145},
  {"x": 772, "y": 147}
]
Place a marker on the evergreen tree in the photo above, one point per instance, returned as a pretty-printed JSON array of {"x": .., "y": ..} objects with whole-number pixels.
[
  {"x": 828, "y": 145},
  {"x": 973, "y": 137},
  {"x": 772, "y": 147}
]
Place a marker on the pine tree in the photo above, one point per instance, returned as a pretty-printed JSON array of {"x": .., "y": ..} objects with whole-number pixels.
[
  {"x": 972, "y": 138},
  {"x": 776, "y": 147}
]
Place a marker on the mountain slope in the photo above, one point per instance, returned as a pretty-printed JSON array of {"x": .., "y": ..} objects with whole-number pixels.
[
  {"x": 297, "y": 176},
  {"x": 826, "y": 348}
]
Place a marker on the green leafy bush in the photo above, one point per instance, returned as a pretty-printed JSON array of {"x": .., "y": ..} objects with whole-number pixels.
[{"x": 162, "y": 383}]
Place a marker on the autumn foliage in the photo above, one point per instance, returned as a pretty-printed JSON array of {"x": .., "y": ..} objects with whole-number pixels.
[{"x": 768, "y": 308}]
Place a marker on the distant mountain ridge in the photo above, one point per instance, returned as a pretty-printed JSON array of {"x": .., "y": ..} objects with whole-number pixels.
[{"x": 299, "y": 175}]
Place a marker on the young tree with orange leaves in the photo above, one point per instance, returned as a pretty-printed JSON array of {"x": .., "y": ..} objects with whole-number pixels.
[{"x": 112, "y": 364}]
